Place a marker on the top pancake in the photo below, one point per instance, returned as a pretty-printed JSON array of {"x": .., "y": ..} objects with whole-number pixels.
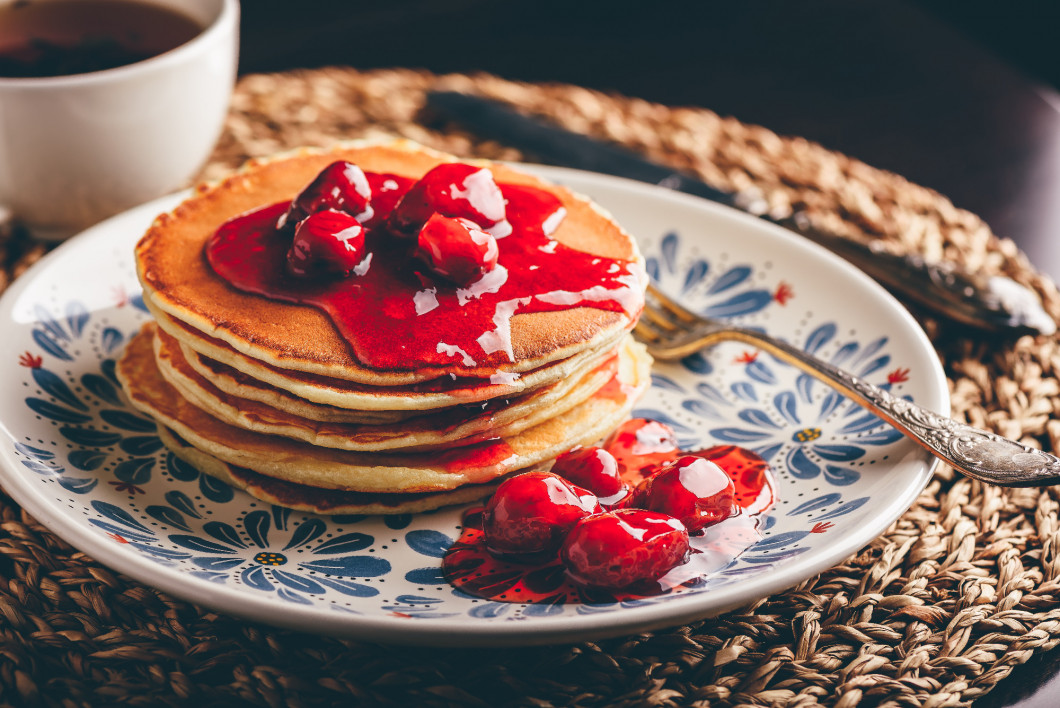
[{"x": 178, "y": 281}]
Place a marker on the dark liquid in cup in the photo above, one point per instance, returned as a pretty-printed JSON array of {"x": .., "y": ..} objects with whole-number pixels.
[{"x": 66, "y": 37}]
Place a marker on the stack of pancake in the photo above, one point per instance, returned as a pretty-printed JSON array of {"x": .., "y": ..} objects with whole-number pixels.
[{"x": 267, "y": 396}]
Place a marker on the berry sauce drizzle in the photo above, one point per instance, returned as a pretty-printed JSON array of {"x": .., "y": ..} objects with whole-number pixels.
[
  {"x": 470, "y": 568},
  {"x": 398, "y": 315}
]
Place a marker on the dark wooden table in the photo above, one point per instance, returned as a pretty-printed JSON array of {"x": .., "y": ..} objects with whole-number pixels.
[{"x": 887, "y": 82}]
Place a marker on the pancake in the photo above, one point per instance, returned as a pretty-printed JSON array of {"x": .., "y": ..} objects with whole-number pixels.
[
  {"x": 441, "y": 429},
  {"x": 177, "y": 280},
  {"x": 305, "y": 464},
  {"x": 421, "y": 389},
  {"x": 244, "y": 372},
  {"x": 241, "y": 385},
  {"x": 312, "y": 499}
]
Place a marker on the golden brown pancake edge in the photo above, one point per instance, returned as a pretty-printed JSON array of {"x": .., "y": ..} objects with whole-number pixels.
[{"x": 177, "y": 280}]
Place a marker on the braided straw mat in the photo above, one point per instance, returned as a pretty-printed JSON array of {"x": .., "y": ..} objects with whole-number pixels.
[{"x": 935, "y": 612}]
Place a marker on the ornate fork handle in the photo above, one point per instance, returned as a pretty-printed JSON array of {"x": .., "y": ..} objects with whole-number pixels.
[{"x": 977, "y": 453}]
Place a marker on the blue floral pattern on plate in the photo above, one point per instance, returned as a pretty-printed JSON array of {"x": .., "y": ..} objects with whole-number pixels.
[{"x": 78, "y": 451}]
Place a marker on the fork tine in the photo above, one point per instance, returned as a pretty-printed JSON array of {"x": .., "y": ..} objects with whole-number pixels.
[
  {"x": 687, "y": 316},
  {"x": 672, "y": 332},
  {"x": 659, "y": 319},
  {"x": 645, "y": 333}
]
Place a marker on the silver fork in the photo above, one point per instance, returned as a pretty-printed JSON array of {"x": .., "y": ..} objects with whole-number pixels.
[{"x": 672, "y": 332}]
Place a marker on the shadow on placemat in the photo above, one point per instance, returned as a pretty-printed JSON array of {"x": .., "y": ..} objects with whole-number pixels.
[{"x": 934, "y": 612}]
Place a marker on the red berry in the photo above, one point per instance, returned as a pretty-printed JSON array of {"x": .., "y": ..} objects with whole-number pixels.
[
  {"x": 326, "y": 242},
  {"x": 746, "y": 469},
  {"x": 456, "y": 249},
  {"x": 456, "y": 190},
  {"x": 531, "y": 513},
  {"x": 595, "y": 469},
  {"x": 639, "y": 445},
  {"x": 341, "y": 186},
  {"x": 619, "y": 548},
  {"x": 694, "y": 490}
]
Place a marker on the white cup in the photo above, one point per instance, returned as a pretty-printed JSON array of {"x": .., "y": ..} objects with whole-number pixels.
[{"x": 76, "y": 149}]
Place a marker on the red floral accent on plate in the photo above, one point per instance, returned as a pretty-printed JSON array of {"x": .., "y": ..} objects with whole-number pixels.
[
  {"x": 116, "y": 537},
  {"x": 126, "y": 487},
  {"x": 29, "y": 361},
  {"x": 402, "y": 615},
  {"x": 898, "y": 376},
  {"x": 821, "y": 526},
  {"x": 783, "y": 293},
  {"x": 121, "y": 298},
  {"x": 746, "y": 358}
]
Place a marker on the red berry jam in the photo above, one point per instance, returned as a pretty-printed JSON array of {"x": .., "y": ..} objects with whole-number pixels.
[
  {"x": 748, "y": 472},
  {"x": 455, "y": 190},
  {"x": 457, "y": 249},
  {"x": 471, "y": 568},
  {"x": 691, "y": 489},
  {"x": 621, "y": 548},
  {"x": 640, "y": 445},
  {"x": 326, "y": 242},
  {"x": 341, "y": 186},
  {"x": 595, "y": 469},
  {"x": 531, "y": 513},
  {"x": 402, "y": 315}
]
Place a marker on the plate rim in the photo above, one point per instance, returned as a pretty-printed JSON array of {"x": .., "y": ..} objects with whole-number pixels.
[{"x": 449, "y": 631}]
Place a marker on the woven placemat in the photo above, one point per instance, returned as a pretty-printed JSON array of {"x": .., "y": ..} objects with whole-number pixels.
[{"x": 935, "y": 612}]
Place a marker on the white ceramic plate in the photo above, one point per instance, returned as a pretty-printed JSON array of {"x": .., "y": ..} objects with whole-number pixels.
[{"x": 91, "y": 469}]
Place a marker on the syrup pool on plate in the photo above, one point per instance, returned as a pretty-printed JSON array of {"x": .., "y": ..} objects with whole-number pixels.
[{"x": 471, "y": 568}]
